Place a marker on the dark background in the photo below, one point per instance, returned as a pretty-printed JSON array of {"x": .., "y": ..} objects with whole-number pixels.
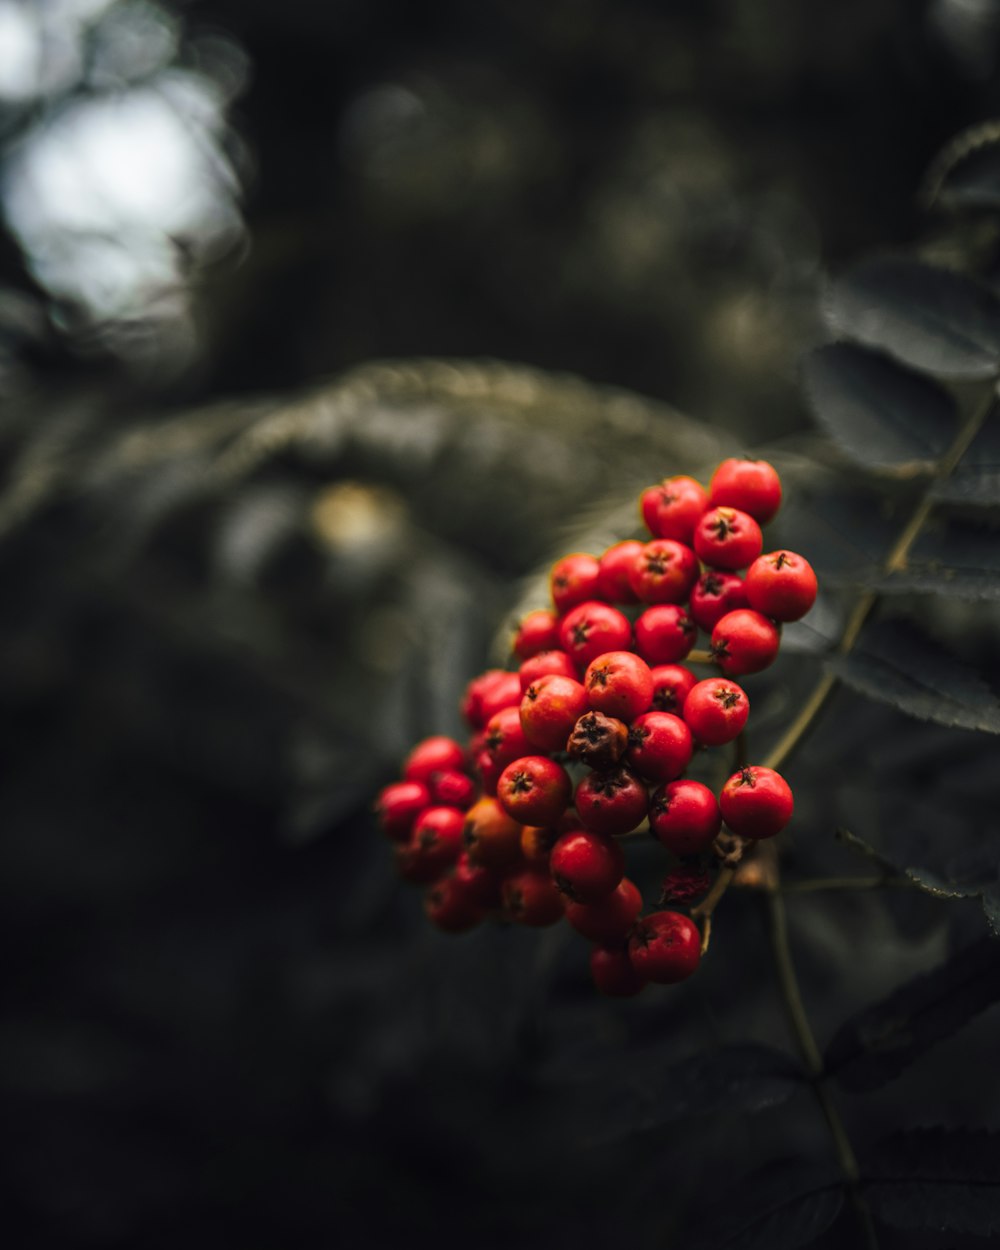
[{"x": 237, "y": 590}]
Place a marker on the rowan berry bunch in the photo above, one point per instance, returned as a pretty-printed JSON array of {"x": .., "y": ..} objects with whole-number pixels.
[{"x": 590, "y": 737}]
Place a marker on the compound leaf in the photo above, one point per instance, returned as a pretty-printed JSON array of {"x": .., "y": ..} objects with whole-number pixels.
[{"x": 780, "y": 1208}]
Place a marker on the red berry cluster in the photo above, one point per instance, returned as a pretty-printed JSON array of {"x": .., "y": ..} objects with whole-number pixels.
[{"x": 591, "y": 736}]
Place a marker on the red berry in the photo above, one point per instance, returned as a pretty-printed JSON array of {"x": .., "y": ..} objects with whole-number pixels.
[
  {"x": 613, "y": 972},
  {"x": 492, "y": 838},
  {"x": 545, "y": 664},
  {"x": 672, "y": 509},
  {"x": 664, "y": 572},
  {"x": 756, "y": 802},
  {"x": 536, "y": 632},
  {"x": 665, "y": 947},
  {"x": 434, "y": 845},
  {"x": 744, "y": 641},
  {"x": 534, "y": 790},
  {"x": 449, "y": 907},
  {"x": 505, "y": 740},
  {"x": 611, "y": 802},
  {"x": 504, "y": 692},
  {"x": 664, "y": 633},
  {"x": 609, "y": 919},
  {"x": 586, "y": 866},
  {"x": 590, "y": 629},
  {"x": 537, "y": 842},
  {"x": 716, "y": 711},
  {"x": 597, "y": 740},
  {"x": 672, "y": 683},
  {"x": 753, "y": 486},
  {"x": 488, "y": 771},
  {"x": 685, "y": 816},
  {"x": 530, "y": 897},
  {"x": 619, "y": 684},
  {"x": 479, "y": 883},
  {"x": 613, "y": 583},
  {"x": 715, "y": 594},
  {"x": 549, "y": 709},
  {"x": 659, "y": 746},
  {"x": 453, "y": 788},
  {"x": 398, "y": 806},
  {"x": 727, "y": 538},
  {"x": 574, "y": 580},
  {"x": 434, "y": 755},
  {"x": 781, "y": 585}
]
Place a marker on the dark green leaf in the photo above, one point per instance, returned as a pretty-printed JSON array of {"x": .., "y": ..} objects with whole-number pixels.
[
  {"x": 895, "y": 664},
  {"x": 877, "y": 412},
  {"x": 875, "y": 1045},
  {"x": 933, "y": 319},
  {"x": 781, "y": 1208},
  {"x": 936, "y": 1178},
  {"x": 953, "y": 557},
  {"x": 980, "y": 585}
]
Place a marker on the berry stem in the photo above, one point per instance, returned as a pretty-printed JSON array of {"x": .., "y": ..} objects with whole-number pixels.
[
  {"x": 699, "y": 657},
  {"x": 708, "y": 904}
]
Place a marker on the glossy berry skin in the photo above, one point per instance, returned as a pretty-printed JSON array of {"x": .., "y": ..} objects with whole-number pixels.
[
  {"x": 613, "y": 973},
  {"x": 534, "y": 790},
  {"x": 756, "y": 802},
  {"x": 612, "y": 802},
  {"x": 574, "y": 579},
  {"x": 454, "y": 789},
  {"x": 664, "y": 634},
  {"x": 538, "y": 631},
  {"x": 716, "y": 593},
  {"x": 472, "y": 700},
  {"x": 591, "y": 629},
  {"x": 619, "y": 684},
  {"x": 505, "y": 739},
  {"x": 672, "y": 683},
  {"x": 685, "y": 816},
  {"x": 434, "y": 845},
  {"x": 726, "y": 538},
  {"x": 781, "y": 585},
  {"x": 530, "y": 897},
  {"x": 450, "y": 908},
  {"x": 586, "y": 866},
  {"x": 753, "y": 486},
  {"x": 609, "y": 919},
  {"x": 488, "y": 771},
  {"x": 492, "y": 839},
  {"x": 433, "y": 755},
  {"x": 659, "y": 747},
  {"x": 549, "y": 709},
  {"x": 613, "y": 584},
  {"x": 398, "y": 806},
  {"x": 537, "y": 842},
  {"x": 665, "y": 947},
  {"x": 664, "y": 572},
  {"x": 481, "y": 885},
  {"x": 716, "y": 711},
  {"x": 504, "y": 692},
  {"x": 672, "y": 509},
  {"x": 744, "y": 641},
  {"x": 545, "y": 664},
  {"x": 597, "y": 740}
]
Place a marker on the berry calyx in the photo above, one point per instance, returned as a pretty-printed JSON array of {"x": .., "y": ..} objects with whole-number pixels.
[
  {"x": 685, "y": 884},
  {"x": 756, "y": 802},
  {"x": 716, "y": 711},
  {"x": 672, "y": 683},
  {"x": 591, "y": 629},
  {"x": 613, "y": 802},
  {"x": 727, "y": 538},
  {"x": 619, "y": 684},
  {"x": 586, "y": 866},
  {"x": 549, "y": 709},
  {"x": 672, "y": 509},
  {"x": 597, "y": 740},
  {"x": 664, "y": 572},
  {"x": 534, "y": 790},
  {"x": 665, "y": 947},
  {"x": 744, "y": 642},
  {"x": 781, "y": 585},
  {"x": 715, "y": 593},
  {"x": 685, "y": 816}
]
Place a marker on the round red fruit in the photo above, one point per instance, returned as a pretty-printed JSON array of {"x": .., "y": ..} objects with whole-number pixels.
[
  {"x": 756, "y": 802},
  {"x": 530, "y": 897},
  {"x": 727, "y": 538},
  {"x": 672, "y": 683},
  {"x": 491, "y": 837},
  {"x": 716, "y": 593},
  {"x": 672, "y": 509},
  {"x": 614, "y": 801},
  {"x": 537, "y": 842},
  {"x": 545, "y": 664},
  {"x": 660, "y": 746},
  {"x": 586, "y": 866},
  {"x": 619, "y": 684},
  {"x": 454, "y": 789},
  {"x": 434, "y": 845},
  {"x": 549, "y": 709},
  {"x": 664, "y": 571},
  {"x": 434, "y": 755},
  {"x": 685, "y": 816},
  {"x": 591, "y": 629},
  {"x": 574, "y": 580},
  {"x": 480, "y": 884},
  {"x": 475, "y": 691},
  {"x": 613, "y": 972},
  {"x": 665, "y": 947},
  {"x": 781, "y": 585},
  {"x": 450, "y": 908},
  {"x": 488, "y": 771},
  {"x": 664, "y": 634},
  {"x": 505, "y": 739},
  {"x": 504, "y": 692},
  {"x": 609, "y": 919},
  {"x": 753, "y": 486},
  {"x": 616, "y": 564},
  {"x": 716, "y": 711},
  {"x": 536, "y": 632},
  {"x": 398, "y": 806},
  {"x": 534, "y": 790},
  {"x": 744, "y": 641}
]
